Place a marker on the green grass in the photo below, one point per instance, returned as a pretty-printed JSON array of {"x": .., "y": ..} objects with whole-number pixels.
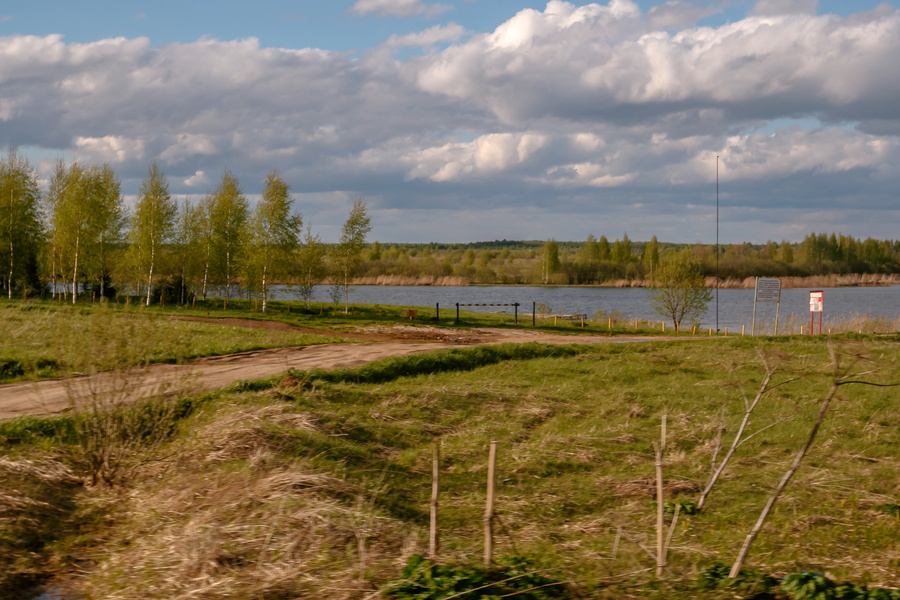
[
  {"x": 274, "y": 490},
  {"x": 48, "y": 339}
]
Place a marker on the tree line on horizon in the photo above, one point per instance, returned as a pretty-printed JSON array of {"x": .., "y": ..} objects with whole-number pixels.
[{"x": 77, "y": 237}]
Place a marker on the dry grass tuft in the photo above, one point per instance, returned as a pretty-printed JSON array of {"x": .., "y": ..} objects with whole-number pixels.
[
  {"x": 646, "y": 486},
  {"x": 280, "y": 532},
  {"x": 245, "y": 432}
]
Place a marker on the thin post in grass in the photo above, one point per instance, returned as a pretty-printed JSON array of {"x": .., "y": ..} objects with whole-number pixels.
[
  {"x": 437, "y": 311},
  {"x": 435, "y": 475},
  {"x": 659, "y": 451},
  {"x": 489, "y": 507}
]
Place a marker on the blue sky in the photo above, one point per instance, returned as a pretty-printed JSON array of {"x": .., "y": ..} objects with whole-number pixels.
[{"x": 484, "y": 119}]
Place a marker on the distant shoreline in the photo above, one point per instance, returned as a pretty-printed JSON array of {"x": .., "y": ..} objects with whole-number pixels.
[{"x": 813, "y": 281}]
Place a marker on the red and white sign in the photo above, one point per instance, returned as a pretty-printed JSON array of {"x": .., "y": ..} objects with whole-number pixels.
[{"x": 816, "y": 301}]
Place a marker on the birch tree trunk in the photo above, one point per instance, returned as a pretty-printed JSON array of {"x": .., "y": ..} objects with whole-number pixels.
[{"x": 75, "y": 270}]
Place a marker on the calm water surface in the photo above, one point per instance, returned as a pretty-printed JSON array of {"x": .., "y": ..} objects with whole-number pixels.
[{"x": 735, "y": 307}]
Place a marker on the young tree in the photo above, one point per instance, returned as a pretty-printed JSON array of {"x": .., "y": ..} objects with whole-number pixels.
[
  {"x": 153, "y": 221},
  {"x": 109, "y": 218},
  {"x": 20, "y": 224},
  {"x": 71, "y": 220},
  {"x": 651, "y": 256},
  {"x": 188, "y": 245},
  {"x": 679, "y": 289},
  {"x": 228, "y": 220},
  {"x": 353, "y": 240},
  {"x": 274, "y": 233},
  {"x": 549, "y": 260},
  {"x": 206, "y": 233},
  {"x": 312, "y": 264},
  {"x": 590, "y": 251}
]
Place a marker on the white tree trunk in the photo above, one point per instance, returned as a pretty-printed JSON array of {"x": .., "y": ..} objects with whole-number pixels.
[
  {"x": 75, "y": 270},
  {"x": 150, "y": 276},
  {"x": 265, "y": 290}
]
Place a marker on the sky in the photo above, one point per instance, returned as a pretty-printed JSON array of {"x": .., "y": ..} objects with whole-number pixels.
[{"x": 475, "y": 120}]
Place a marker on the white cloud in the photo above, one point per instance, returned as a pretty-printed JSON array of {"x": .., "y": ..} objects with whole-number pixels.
[
  {"x": 676, "y": 14},
  {"x": 486, "y": 155},
  {"x": 197, "y": 179},
  {"x": 544, "y": 110},
  {"x": 785, "y": 7},
  {"x": 109, "y": 149},
  {"x": 433, "y": 35},
  {"x": 398, "y": 8}
]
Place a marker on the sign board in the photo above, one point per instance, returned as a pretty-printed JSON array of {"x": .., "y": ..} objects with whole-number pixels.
[
  {"x": 768, "y": 289},
  {"x": 816, "y": 301}
]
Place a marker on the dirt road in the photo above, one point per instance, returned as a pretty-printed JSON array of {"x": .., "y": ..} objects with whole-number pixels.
[{"x": 53, "y": 395}]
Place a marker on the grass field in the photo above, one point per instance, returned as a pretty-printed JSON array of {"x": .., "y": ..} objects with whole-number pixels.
[
  {"x": 48, "y": 339},
  {"x": 317, "y": 485}
]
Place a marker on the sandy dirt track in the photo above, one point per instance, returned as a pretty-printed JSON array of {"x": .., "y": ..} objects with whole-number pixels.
[{"x": 53, "y": 395}]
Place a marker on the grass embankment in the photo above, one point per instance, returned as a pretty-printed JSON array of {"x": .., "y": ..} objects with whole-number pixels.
[{"x": 317, "y": 484}]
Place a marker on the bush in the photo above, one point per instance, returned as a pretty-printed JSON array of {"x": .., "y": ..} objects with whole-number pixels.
[{"x": 425, "y": 580}]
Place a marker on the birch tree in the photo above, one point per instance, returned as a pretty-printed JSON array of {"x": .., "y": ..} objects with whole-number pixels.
[
  {"x": 205, "y": 225},
  {"x": 20, "y": 223},
  {"x": 274, "y": 233},
  {"x": 188, "y": 244},
  {"x": 71, "y": 218},
  {"x": 312, "y": 264},
  {"x": 353, "y": 240},
  {"x": 108, "y": 221},
  {"x": 228, "y": 218},
  {"x": 153, "y": 222}
]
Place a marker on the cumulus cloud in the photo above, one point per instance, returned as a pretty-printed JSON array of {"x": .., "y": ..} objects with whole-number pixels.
[
  {"x": 553, "y": 108},
  {"x": 677, "y": 14},
  {"x": 433, "y": 35},
  {"x": 199, "y": 178},
  {"x": 398, "y": 8},
  {"x": 785, "y": 7}
]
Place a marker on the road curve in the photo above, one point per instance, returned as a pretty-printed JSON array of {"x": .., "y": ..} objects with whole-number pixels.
[{"x": 50, "y": 396}]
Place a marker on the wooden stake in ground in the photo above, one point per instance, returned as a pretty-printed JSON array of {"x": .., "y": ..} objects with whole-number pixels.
[
  {"x": 489, "y": 508},
  {"x": 659, "y": 450},
  {"x": 435, "y": 473},
  {"x": 841, "y": 377}
]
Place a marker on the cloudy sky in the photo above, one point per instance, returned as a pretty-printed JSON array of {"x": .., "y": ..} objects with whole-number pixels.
[{"x": 467, "y": 120}]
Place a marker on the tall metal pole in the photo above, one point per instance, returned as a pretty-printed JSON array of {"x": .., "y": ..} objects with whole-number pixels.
[{"x": 717, "y": 243}]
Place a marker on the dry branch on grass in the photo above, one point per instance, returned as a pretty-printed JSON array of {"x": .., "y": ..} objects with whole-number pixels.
[
  {"x": 840, "y": 376},
  {"x": 739, "y": 439}
]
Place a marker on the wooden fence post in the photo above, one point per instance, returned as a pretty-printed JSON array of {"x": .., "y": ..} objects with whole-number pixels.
[
  {"x": 435, "y": 475},
  {"x": 489, "y": 508},
  {"x": 660, "y": 450}
]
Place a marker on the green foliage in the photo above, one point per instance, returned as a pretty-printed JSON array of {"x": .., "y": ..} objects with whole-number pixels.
[
  {"x": 749, "y": 581},
  {"x": 349, "y": 251},
  {"x": 814, "y": 586},
  {"x": 423, "y": 579},
  {"x": 685, "y": 508},
  {"x": 456, "y": 359},
  {"x": 228, "y": 211},
  {"x": 21, "y": 230},
  {"x": 274, "y": 234},
  {"x": 152, "y": 224},
  {"x": 889, "y": 508},
  {"x": 679, "y": 289}
]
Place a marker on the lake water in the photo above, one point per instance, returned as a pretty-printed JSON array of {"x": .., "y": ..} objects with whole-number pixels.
[{"x": 735, "y": 307}]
